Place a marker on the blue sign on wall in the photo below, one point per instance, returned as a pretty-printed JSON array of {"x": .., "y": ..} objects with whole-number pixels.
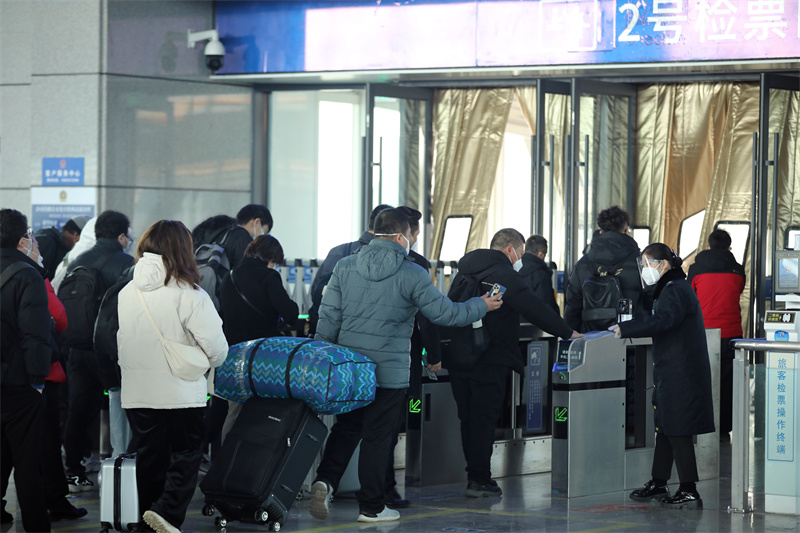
[
  {"x": 56, "y": 215},
  {"x": 61, "y": 171}
]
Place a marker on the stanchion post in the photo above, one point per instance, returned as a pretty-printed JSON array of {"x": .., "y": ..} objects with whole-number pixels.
[{"x": 740, "y": 435}]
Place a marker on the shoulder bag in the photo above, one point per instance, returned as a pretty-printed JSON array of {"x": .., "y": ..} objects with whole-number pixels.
[{"x": 185, "y": 362}]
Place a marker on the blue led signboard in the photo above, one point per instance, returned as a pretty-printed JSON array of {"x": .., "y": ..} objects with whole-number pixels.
[{"x": 303, "y": 36}]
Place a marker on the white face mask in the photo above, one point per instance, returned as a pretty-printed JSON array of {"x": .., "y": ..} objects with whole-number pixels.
[
  {"x": 408, "y": 243},
  {"x": 414, "y": 246},
  {"x": 518, "y": 263},
  {"x": 39, "y": 260},
  {"x": 650, "y": 275},
  {"x": 256, "y": 231}
]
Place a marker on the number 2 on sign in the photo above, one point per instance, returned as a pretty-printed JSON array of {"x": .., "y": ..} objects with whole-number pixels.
[{"x": 626, "y": 36}]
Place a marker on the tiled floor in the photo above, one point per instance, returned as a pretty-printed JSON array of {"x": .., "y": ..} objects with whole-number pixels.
[{"x": 526, "y": 505}]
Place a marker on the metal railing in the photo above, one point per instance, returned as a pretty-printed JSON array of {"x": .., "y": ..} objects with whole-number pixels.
[{"x": 740, "y": 436}]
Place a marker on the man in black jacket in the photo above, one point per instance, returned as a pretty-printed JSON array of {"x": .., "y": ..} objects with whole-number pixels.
[
  {"x": 89, "y": 373},
  {"x": 25, "y": 354},
  {"x": 234, "y": 234},
  {"x": 54, "y": 244},
  {"x": 479, "y": 393},
  {"x": 615, "y": 252},
  {"x": 336, "y": 253},
  {"x": 536, "y": 271}
]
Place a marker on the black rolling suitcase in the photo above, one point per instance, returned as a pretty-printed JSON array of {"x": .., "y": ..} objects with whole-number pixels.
[{"x": 258, "y": 472}]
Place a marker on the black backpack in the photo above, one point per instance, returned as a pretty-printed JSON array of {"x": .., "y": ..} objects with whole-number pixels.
[
  {"x": 81, "y": 292},
  {"x": 107, "y": 323},
  {"x": 467, "y": 343},
  {"x": 213, "y": 264},
  {"x": 602, "y": 292}
]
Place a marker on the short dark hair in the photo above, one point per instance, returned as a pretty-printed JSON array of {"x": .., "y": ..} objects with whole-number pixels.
[
  {"x": 413, "y": 215},
  {"x": 251, "y": 211},
  {"x": 71, "y": 227},
  {"x": 13, "y": 226},
  {"x": 506, "y": 236},
  {"x": 391, "y": 222},
  {"x": 661, "y": 251},
  {"x": 110, "y": 224},
  {"x": 374, "y": 215},
  {"x": 613, "y": 219},
  {"x": 719, "y": 240},
  {"x": 266, "y": 248},
  {"x": 536, "y": 244}
]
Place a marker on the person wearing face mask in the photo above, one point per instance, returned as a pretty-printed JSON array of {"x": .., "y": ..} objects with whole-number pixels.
[
  {"x": 25, "y": 355},
  {"x": 480, "y": 392},
  {"x": 369, "y": 306},
  {"x": 90, "y": 374},
  {"x": 682, "y": 398},
  {"x": 254, "y": 303}
]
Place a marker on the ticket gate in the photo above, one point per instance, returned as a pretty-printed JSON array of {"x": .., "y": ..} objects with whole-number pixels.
[{"x": 603, "y": 430}]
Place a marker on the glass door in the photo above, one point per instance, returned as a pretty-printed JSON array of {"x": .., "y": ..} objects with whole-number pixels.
[
  {"x": 397, "y": 151},
  {"x": 553, "y": 115},
  {"x": 775, "y": 179},
  {"x": 602, "y": 149}
]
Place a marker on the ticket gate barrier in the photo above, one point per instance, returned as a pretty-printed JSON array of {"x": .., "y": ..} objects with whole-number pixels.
[{"x": 600, "y": 442}]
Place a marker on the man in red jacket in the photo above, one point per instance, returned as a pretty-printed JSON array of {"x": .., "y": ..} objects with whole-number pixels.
[{"x": 718, "y": 280}]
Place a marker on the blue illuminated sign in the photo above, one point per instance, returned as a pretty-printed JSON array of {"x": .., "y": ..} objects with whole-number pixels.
[
  {"x": 62, "y": 171},
  {"x": 319, "y": 36}
]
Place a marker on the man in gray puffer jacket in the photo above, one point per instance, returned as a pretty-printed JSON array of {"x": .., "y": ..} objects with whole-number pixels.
[{"x": 369, "y": 306}]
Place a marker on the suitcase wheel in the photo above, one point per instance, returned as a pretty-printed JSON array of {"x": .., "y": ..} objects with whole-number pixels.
[
  {"x": 261, "y": 516},
  {"x": 209, "y": 510},
  {"x": 221, "y": 521},
  {"x": 274, "y": 526}
]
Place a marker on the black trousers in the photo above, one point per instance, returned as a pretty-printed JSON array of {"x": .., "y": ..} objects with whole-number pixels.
[
  {"x": 21, "y": 435},
  {"x": 169, "y": 448},
  {"x": 678, "y": 449},
  {"x": 55, "y": 482},
  {"x": 726, "y": 355},
  {"x": 479, "y": 397},
  {"x": 374, "y": 426},
  {"x": 86, "y": 386}
]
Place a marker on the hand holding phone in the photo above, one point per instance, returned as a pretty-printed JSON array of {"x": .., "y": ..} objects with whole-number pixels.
[{"x": 497, "y": 288}]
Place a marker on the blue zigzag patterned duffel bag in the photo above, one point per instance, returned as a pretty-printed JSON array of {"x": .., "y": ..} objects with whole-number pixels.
[{"x": 330, "y": 379}]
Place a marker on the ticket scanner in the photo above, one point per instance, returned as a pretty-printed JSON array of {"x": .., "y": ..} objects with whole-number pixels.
[
  {"x": 603, "y": 428},
  {"x": 589, "y": 414},
  {"x": 782, "y": 420}
]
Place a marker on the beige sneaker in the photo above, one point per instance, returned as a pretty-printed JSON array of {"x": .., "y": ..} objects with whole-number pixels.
[
  {"x": 159, "y": 523},
  {"x": 320, "y": 505}
]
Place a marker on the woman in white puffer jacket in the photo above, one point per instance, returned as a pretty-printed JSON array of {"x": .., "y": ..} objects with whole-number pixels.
[{"x": 165, "y": 411}]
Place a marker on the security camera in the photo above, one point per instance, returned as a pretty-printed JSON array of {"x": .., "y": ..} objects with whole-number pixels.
[{"x": 214, "y": 50}]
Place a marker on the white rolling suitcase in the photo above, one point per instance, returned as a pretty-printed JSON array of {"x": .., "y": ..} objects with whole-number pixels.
[{"x": 119, "y": 499}]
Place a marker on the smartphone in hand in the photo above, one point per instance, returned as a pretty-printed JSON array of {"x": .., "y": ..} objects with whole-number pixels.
[{"x": 497, "y": 288}]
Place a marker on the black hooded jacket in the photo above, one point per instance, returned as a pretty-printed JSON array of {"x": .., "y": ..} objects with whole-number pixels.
[
  {"x": 540, "y": 277},
  {"x": 682, "y": 397},
  {"x": 502, "y": 325},
  {"x": 25, "y": 351},
  {"x": 53, "y": 249},
  {"x": 609, "y": 249}
]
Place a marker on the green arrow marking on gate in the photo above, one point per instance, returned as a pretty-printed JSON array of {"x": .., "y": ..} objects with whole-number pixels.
[
  {"x": 414, "y": 406},
  {"x": 561, "y": 414}
]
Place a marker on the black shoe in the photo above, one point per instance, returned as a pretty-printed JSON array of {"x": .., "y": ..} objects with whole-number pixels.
[
  {"x": 483, "y": 490},
  {"x": 6, "y": 517},
  {"x": 683, "y": 500},
  {"x": 395, "y": 501},
  {"x": 649, "y": 492},
  {"x": 67, "y": 511}
]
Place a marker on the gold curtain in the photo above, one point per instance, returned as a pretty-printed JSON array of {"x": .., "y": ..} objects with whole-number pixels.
[
  {"x": 469, "y": 127},
  {"x": 695, "y": 151}
]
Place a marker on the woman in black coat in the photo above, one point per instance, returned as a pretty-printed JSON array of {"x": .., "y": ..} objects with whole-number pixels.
[
  {"x": 252, "y": 296},
  {"x": 254, "y": 304},
  {"x": 682, "y": 399}
]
